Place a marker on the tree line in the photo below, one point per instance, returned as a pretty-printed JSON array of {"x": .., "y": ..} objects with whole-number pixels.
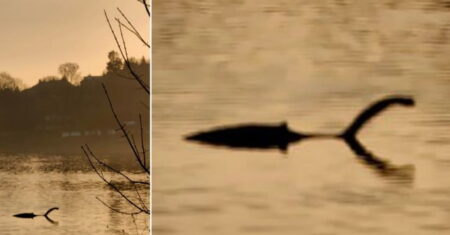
[{"x": 69, "y": 102}]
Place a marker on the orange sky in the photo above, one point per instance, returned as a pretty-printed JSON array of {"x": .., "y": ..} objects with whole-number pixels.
[{"x": 38, "y": 36}]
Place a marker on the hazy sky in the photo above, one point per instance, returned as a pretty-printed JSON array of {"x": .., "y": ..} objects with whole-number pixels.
[{"x": 37, "y": 36}]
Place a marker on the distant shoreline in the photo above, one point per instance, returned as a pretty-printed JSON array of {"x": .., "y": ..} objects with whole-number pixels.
[{"x": 56, "y": 144}]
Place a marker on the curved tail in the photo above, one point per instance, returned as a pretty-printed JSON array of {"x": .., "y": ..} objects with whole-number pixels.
[
  {"x": 50, "y": 210},
  {"x": 373, "y": 110}
]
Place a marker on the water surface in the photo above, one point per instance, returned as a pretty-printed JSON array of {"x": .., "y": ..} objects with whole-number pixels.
[
  {"x": 35, "y": 183},
  {"x": 314, "y": 64}
]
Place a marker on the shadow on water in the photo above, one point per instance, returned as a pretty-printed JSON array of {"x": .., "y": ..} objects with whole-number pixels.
[{"x": 258, "y": 136}]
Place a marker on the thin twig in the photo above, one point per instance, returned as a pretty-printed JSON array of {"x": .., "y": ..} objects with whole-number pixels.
[
  {"x": 135, "y": 225},
  {"x": 144, "y": 156},
  {"x": 114, "y": 34},
  {"x": 123, "y": 40},
  {"x": 114, "y": 187},
  {"x": 135, "y": 146},
  {"x": 91, "y": 163},
  {"x": 135, "y": 33},
  {"x": 147, "y": 9},
  {"x": 134, "y": 29},
  {"x": 140, "y": 198},
  {"x": 146, "y": 6},
  {"x": 87, "y": 150},
  {"x": 127, "y": 62},
  {"x": 118, "y": 211},
  {"x": 126, "y": 135},
  {"x": 137, "y": 78},
  {"x": 113, "y": 169}
]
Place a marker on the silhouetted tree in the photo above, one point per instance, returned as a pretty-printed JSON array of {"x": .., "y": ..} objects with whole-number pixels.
[
  {"x": 69, "y": 71},
  {"x": 7, "y": 82},
  {"x": 115, "y": 63},
  {"x": 49, "y": 78},
  {"x": 144, "y": 61}
]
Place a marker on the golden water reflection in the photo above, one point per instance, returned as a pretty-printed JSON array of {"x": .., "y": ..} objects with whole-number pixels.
[
  {"x": 314, "y": 64},
  {"x": 36, "y": 183}
]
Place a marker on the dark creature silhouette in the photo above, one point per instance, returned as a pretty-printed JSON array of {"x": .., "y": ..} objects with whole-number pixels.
[
  {"x": 257, "y": 136},
  {"x": 32, "y": 215},
  {"x": 250, "y": 136}
]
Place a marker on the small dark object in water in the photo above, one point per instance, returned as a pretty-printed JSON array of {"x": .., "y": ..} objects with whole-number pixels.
[
  {"x": 32, "y": 215},
  {"x": 258, "y": 136},
  {"x": 250, "y": 136}
]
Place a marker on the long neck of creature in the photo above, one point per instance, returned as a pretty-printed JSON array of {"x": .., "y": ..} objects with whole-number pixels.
[{"x": 369, "y": 113}]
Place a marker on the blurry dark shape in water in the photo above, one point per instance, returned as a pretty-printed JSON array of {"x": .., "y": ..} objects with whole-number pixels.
[
  {"x": 250, "y": 136},
  {"x": 404, "y": 174},
  {"x": 254, "y": 136},
  {"x": 263, "y": 136},
  {"x": 32, "y": 215}
]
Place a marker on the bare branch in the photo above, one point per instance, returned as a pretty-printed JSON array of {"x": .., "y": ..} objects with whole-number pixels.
[
  {"x": 110, "y": 184},
  {"x": 143, "y": 204},
  {"x": 134, "y": 145},
  {"x": 146, "y": 6},
  {"x": 100, "y": 174},
  {"x": 137, "y": 203},
  {"x": 127, "y": 62},
  {"x": 123, "y": 39},
  {"x": 136, "y": 32},
  {"x": 113, "y": 169},
  {"x": 118, "y": 211},
  {"x": 88, "y": 152},
  {"x": 114, "y": 35},
  {"x": 124, "y": 132},
  {"x": 147, "y": 9},
  {"x": 142, "y": 140}
]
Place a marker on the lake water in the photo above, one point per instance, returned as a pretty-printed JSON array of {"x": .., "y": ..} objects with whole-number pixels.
[
  {"x": 35, "y": 183},
  {"x": 314, "y": 64}
]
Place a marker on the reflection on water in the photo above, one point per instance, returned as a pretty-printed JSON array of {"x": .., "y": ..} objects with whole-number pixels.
[
  {"x": 36, "y": 183},
  {"x": 313, "y": 64}
]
